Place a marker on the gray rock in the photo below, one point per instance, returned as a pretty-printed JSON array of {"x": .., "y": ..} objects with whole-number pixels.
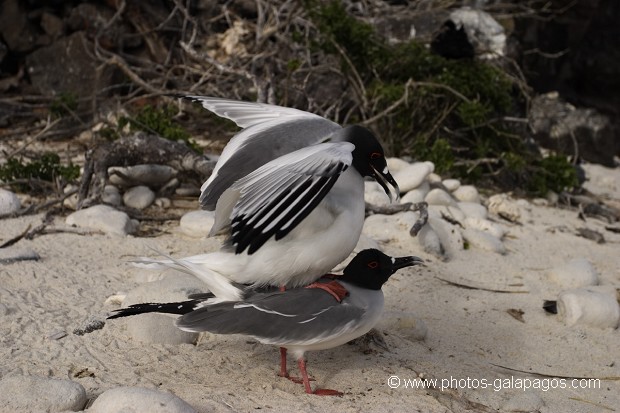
[
  {"x": 160, "y": 328},
  {"x": 139, "y": 399},
  {"x": 187, "y": 190},
  {"x": 46, "y": 394},
  {"x": 18, "y": 32},
  {"x": 68, "y": 66},
  {"x": 9, "y": 202},
  {"x": 13, "y": 254},
  {"x": 139, "y": 197},
  {"x": 152, "y": 175},
  {"x": 197, "y": 223},
  {"x": 559, "y": 125},
  {"x": 103, "y": 218},
  {"x": 595, "y": 306},
  {"x": 111, "y": 195}
]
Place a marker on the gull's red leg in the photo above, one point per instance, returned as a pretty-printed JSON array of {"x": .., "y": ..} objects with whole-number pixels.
[
  {"x": 283, "y": 370},
  {"x": 319, "y": 392}
]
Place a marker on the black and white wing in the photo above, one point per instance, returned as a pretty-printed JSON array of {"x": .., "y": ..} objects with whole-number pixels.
[
  {"x": 276, "y": 197},
  {"x": 270, "y": 131}
]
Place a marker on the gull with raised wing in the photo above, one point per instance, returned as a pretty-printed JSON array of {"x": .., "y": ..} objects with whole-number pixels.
[{"x": 288, "y": 190}]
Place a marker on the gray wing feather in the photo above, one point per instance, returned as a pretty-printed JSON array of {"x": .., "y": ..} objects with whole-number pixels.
[{"x": 294, "y": 316}]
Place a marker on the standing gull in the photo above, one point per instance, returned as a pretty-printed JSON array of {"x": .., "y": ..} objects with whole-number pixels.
[
  {"x": 288, "y": 190},
  {"x": 322, "y": 315}
]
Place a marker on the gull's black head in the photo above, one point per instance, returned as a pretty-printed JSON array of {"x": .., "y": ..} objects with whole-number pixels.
[
  {"x": 369, "y": 158},
  {"x": 371, "y": 268}
]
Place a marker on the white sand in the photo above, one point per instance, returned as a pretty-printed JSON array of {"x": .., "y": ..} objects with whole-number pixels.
[{"x": 470, "y": 333}]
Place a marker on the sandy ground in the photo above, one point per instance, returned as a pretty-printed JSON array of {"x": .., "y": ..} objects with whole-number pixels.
[{"x": 470, "y": 333}]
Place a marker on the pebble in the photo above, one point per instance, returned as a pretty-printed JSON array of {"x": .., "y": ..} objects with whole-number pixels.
[
  {"x": 416, "y": 195},
  {"x": 526, "y": 401},
  {"x": 396, "y": 164},
  {"x": 451, "y": 184},
  {"x": 597, "y": 307},
  {"x": 139, "y": 197},
  {"x": 407, "y": 325},
  {"x": 139, "y": 399},
  {"x": 146, "y": 174},
  {"x": 381, "y": 227},
  {"x": 578, "y": 272},
  {"x": 9, "y": 202},
  {"x": 438, "y": 196},
  {"x": 197, "y": 224},
  {"x": 374, "y": 194},
  {"x": 452, "y": 212},
  {"x": 496, "y": 230},
  {"x": 483, "y": 240},
  {"x": 433, "y": 178},
  {"x": 413, "y": 175},
  {"x": 111, "y": 196},
  {"x": 504, "y": 206},
  {"x": 187, "y": 190},
  {"x": 160, "y": 328},
  {"x": 467, "y": 193},
  {"x": 40, "y": 394},
  {"x": 103, "y": 218},
  {"x": 13, "y": 254},
  {"x": 163, "y": 203},
  {"x": 473, "y": 209}
]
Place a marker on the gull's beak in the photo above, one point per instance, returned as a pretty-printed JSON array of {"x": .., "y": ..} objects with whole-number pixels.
[
  {"x": 384, "y": 178},
  {"x": 402, "y": 262}
]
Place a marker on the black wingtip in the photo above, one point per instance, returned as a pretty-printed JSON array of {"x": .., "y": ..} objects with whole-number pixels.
[
  {"x": 550, "y": 306},
  {"x": 182, "y": 307}
]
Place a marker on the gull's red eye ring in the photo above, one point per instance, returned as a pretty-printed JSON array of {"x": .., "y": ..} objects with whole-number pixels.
[
  {"x": 373, "y": 264},
  {"x": 376, "y": 155}
]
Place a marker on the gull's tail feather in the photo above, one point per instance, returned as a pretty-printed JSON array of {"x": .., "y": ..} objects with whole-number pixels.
[{"x": 223, "y": 288}]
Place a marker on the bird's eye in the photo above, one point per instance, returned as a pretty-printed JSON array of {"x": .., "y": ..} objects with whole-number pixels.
[
  {"x": 376, "y": 155},
  {"x": 373, "y": 264}
]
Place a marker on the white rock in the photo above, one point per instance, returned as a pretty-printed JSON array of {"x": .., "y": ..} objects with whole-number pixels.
[
  {"x": 578, "y": 272},
  {"x": 453, "y": 212},
  {"x": 139, "y": 399},
  {"x": 146, "y": 174},
  {"x": 9, "y": 202},
  {"x": 72, "y": 200},
  {"x": 589, "y": 306},
  {"x": 40, "y": 394},
  {"x": 405, "y": 324},
  {"x": 438, "y": 196},
  {"x": 416, "y": 195},
  {"x": 163, "y": 203},
  {"x": 381, "y": 227},
  {"x": 449, "y": 236},
  {"x": 111, "y": 196},
  {"x": 197, "y": 223},
  {"x": 483, "y": 240},
  {"x": 485, "y": 34},
  {"x": 496, "y": 230},
  {"x": 526, "y": 401},
  {"x": 473, "y": 209},
  {"x": 160, "y": 328},
  {"x": 138, "y": 197},
  {"x": 433, "y": 178},
  {"x": 396, "y": 164},
  {"x": 467, "y": 193},
  {"x": 374, "y": 194},
  {"x": 103, "y": 218},
  {"x": 412, "y": 176},
  {"x": 429, "y": 241},
  {"x": 451, "y": 184},
  {"x": 16, "y": 253}
]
